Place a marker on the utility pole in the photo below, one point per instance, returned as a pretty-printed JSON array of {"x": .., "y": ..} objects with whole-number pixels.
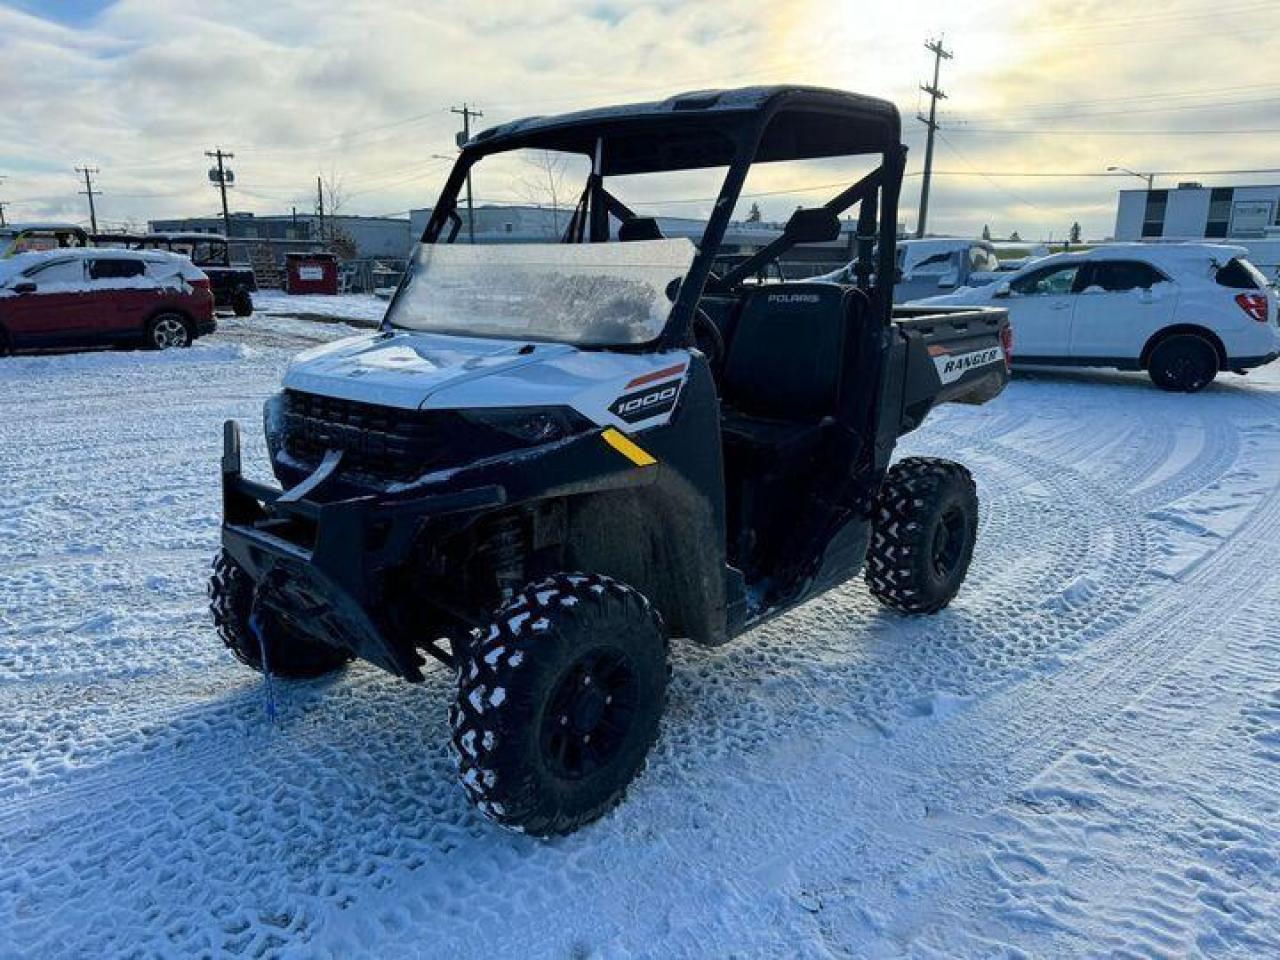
[
  {"x": 467, "y": 113},
  {"x": 320, "y": 204},
  {"x": 88, "y": 191},
  {"x": 935, "y": 94},
  {"x": 222, "y": 177}
]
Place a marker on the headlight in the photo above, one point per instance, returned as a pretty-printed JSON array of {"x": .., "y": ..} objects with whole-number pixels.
[
  {"x": 273, "y": 423},
  {"x": 530, "y": 424}
]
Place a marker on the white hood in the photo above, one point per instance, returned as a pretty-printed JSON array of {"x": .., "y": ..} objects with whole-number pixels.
[
  {"x": 413, "y": 370},
  {"x": 405, "y": 369},
  {"x": 961, "y": 297}
]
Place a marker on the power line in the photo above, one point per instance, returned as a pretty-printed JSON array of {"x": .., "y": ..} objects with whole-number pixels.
[
  {"x": 1173, "y": 95},
  {"x": 991, "y": 180},
  {"x": 1080, "y": 131},
  {"x": 88, "y": 191},
  {"x": 1172, "y": 16},
  {"x": 935, "y": 94}
]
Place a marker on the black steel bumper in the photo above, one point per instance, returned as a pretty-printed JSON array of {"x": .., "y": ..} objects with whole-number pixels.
[{"x": 321, "y": 564}]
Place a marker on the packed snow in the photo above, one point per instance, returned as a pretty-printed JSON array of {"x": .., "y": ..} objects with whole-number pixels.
[
  {"x": 1081, "y": 756},
  {"x": 362, "y": 309}
]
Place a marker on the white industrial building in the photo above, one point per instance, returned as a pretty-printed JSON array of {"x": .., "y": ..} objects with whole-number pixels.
[{"x": 1195, "y": 212}]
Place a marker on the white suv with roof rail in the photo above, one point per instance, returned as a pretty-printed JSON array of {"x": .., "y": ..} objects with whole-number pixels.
[{"x": 1181, "y": 311}]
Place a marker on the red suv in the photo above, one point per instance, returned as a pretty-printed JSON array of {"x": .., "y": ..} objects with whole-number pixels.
[{"x": 89, "y": 296}]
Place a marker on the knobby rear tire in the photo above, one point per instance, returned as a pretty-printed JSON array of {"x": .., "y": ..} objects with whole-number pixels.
[{"x": 923, "y": 534}]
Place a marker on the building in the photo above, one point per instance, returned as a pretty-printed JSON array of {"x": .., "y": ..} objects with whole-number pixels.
[
  {"x": 1195, "y": 212},
  {"x": 515, "y": 223},
  {"x": 373, "y": 237}
]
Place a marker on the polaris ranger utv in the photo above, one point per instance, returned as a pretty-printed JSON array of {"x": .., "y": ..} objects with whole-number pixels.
[{"x": 553, "y": 457}]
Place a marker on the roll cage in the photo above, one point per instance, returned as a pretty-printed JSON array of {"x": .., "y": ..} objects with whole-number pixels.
[{"x": 730, "y": 128}]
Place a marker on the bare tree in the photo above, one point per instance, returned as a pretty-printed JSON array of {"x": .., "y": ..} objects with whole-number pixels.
[
  {"x": 544, "y": 185},
  {"x": 336, "y": 194}
]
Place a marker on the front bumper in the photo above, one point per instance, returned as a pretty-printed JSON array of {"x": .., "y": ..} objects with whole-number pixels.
[
  {"x": 206, "y": 327},
  {"x": 1248, "y": 363},
  {"x": 319, "y": 564}
]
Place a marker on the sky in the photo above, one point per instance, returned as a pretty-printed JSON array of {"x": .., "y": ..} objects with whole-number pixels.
[{"x": 360, "y": 92}]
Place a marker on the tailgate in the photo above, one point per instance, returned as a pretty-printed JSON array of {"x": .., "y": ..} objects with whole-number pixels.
[{"x": 955, "y": 354}]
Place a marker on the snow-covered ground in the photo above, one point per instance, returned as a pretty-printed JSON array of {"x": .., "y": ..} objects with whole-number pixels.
[
  {"x": 1080, "y": 757},
  {"x": 363, "y": 309}
]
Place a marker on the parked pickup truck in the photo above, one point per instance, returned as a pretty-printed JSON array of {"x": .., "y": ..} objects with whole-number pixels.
[
  {"x": 554, "y": 457},
  {"x": 934, "y": 266}
]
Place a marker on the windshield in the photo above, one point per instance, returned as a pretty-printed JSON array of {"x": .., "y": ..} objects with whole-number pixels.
[{"x": 590, "y": 294}]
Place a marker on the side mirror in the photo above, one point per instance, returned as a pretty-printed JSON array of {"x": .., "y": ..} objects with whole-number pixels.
[
  {"x": 1002, "y": 289},
  {"x": 26, "y": 286},
  {"x": 817, "y": 225}
]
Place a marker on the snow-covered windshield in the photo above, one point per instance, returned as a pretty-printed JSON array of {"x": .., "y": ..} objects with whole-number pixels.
[{"x": 589, "y": 294}]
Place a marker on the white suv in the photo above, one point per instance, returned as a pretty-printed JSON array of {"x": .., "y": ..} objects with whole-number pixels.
[{"x": 1182, "y": 312}]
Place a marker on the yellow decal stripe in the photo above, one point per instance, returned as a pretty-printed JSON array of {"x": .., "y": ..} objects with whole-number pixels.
[{"x": 637, "y": 455}]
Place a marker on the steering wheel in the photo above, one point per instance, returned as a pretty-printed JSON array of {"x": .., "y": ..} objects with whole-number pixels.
[{"x": 709, "y": 340}]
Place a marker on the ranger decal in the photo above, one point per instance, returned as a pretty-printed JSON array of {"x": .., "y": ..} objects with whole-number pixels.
[{"x": 951, "y": 367}]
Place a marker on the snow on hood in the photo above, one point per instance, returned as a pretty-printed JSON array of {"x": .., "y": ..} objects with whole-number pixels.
[
  {"x": 405, "y": 368},
  {"x": 960, "y": 297}
]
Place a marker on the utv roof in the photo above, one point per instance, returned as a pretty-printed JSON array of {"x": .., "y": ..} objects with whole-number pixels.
[{"x": 703, "y": 128}]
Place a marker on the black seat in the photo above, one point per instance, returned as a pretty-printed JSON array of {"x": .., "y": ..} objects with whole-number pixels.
[
  {"x": 639, "y": 228},
  {"x": 782, "y": 374}
]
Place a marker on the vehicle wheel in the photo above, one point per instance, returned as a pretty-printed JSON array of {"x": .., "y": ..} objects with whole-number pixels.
[
  {"x": 167, "y": 330},
  {"x": 288, "y": 655},
  {"x": 242, "y": 303},
  {"x": 4, "y": 344},
  {"x": 926, "y": 523},
  {"x": 559, "y": 703},
  {"x": 1183, "y": 364}
]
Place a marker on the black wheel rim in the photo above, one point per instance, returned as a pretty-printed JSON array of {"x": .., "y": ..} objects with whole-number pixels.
[
  {"x": 948, "y": 541},
  {"x": 590, "y": 713},
  {"x": 1188, "y": 370}
]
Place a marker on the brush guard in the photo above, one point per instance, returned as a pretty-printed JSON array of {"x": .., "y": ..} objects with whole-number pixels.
[{"x": 320, "y": 565}]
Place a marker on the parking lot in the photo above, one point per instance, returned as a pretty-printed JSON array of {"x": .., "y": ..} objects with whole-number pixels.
[{"x": 1081, "y": 753}]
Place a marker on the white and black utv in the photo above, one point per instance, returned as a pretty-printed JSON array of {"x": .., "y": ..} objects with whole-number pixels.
[{"x": 553, "y": 457}]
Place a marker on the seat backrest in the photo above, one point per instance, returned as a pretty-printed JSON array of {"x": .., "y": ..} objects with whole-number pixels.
[
  {"x": 787, "y": 351},
  {"x": 639, "y": 228}
]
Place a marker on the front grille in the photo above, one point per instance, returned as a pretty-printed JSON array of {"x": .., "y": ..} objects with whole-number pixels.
[{"x": 385, "y": 443}]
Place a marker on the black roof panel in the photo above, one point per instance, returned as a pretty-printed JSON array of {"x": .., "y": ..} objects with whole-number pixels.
[{"x": 701, "y": 128}]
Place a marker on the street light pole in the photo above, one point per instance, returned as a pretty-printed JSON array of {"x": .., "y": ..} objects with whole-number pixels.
[{"x": 1149, "y": 177}]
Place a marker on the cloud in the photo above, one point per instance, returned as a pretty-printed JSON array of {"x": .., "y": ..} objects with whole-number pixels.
[{"x": 142, "y": 88}]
